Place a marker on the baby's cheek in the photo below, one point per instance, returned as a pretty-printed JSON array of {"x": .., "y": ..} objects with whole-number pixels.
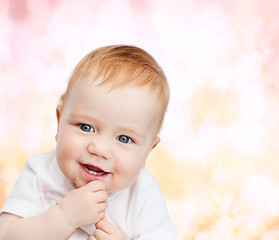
[
  {"x": 66, "y": 158},
  {"x": 131, "y": 169},
  {"x": 66, "y": 147},
  {"x": 69, "y": 148}
]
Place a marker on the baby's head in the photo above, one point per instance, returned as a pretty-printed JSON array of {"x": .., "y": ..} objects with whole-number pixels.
[
  {"x": 109, "y": 116},
  {"x": 120, "y": 65}
]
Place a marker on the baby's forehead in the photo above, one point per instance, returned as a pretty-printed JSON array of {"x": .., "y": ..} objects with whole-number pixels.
[
  {"x": 115, "y": 86},
  {"x": 118, "y": 80}
]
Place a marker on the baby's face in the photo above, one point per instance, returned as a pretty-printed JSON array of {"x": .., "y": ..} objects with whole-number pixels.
[{"x": 106, "y": 135}]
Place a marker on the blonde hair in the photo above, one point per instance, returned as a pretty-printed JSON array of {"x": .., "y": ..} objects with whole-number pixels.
[{"x": 135, "y": 66}]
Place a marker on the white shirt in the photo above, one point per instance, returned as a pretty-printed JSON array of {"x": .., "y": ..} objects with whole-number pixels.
[{"x": 139, "y": 210}]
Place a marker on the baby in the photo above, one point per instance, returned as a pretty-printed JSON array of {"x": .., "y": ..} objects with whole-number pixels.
[{"x": 93, "y": 185}]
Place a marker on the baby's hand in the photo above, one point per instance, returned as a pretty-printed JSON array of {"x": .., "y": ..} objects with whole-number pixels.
[
  {"x": 105, "y": 230},
  {"x": 85, "y": 205}
]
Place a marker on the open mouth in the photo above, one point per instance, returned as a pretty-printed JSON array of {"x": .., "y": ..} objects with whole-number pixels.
[{"x": 94, "y": 170}]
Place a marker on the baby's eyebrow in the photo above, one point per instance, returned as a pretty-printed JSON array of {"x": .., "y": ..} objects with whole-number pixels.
[{"x": 83, "y": 117}]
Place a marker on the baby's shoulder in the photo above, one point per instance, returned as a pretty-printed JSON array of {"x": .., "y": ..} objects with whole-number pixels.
[
  {"x": 146, "y": 177},
  {"x": 145, "y": 184},
  {"x": 40, "y": 161}
]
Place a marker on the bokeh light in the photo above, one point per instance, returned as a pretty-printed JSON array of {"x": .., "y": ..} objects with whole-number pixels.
[{"x": 217, "y": 162}]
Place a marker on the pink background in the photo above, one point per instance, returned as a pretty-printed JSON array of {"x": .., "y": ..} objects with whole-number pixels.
[{"x": 218, "y": 160}]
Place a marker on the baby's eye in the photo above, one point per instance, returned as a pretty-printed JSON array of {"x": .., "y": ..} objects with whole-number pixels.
[
  {"x": 124, "y": 139},
  {"x": 86, "y": 128}
]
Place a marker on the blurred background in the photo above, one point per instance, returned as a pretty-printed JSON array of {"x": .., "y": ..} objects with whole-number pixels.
[{"x": 218, "y": 160}]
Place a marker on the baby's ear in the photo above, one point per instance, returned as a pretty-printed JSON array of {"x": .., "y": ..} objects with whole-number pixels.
[
  {"x": 156, "y": 141},
  {"x": 58, "y": 115}
]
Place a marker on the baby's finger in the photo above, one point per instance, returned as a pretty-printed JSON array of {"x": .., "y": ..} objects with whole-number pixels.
[
  {"x": 96, "y": 185},
  {"x": 100, "y": 234},
  {"x": 102, "y": 206},
  {"x": 100, "y": 216},
  {"x": 106, "y": 226},
  {"x": 100, "y": 196},
  {"x": 92, "y": 238}
]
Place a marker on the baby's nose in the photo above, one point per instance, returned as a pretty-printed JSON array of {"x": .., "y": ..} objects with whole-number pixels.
[{"x": 99, "y": 148}]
